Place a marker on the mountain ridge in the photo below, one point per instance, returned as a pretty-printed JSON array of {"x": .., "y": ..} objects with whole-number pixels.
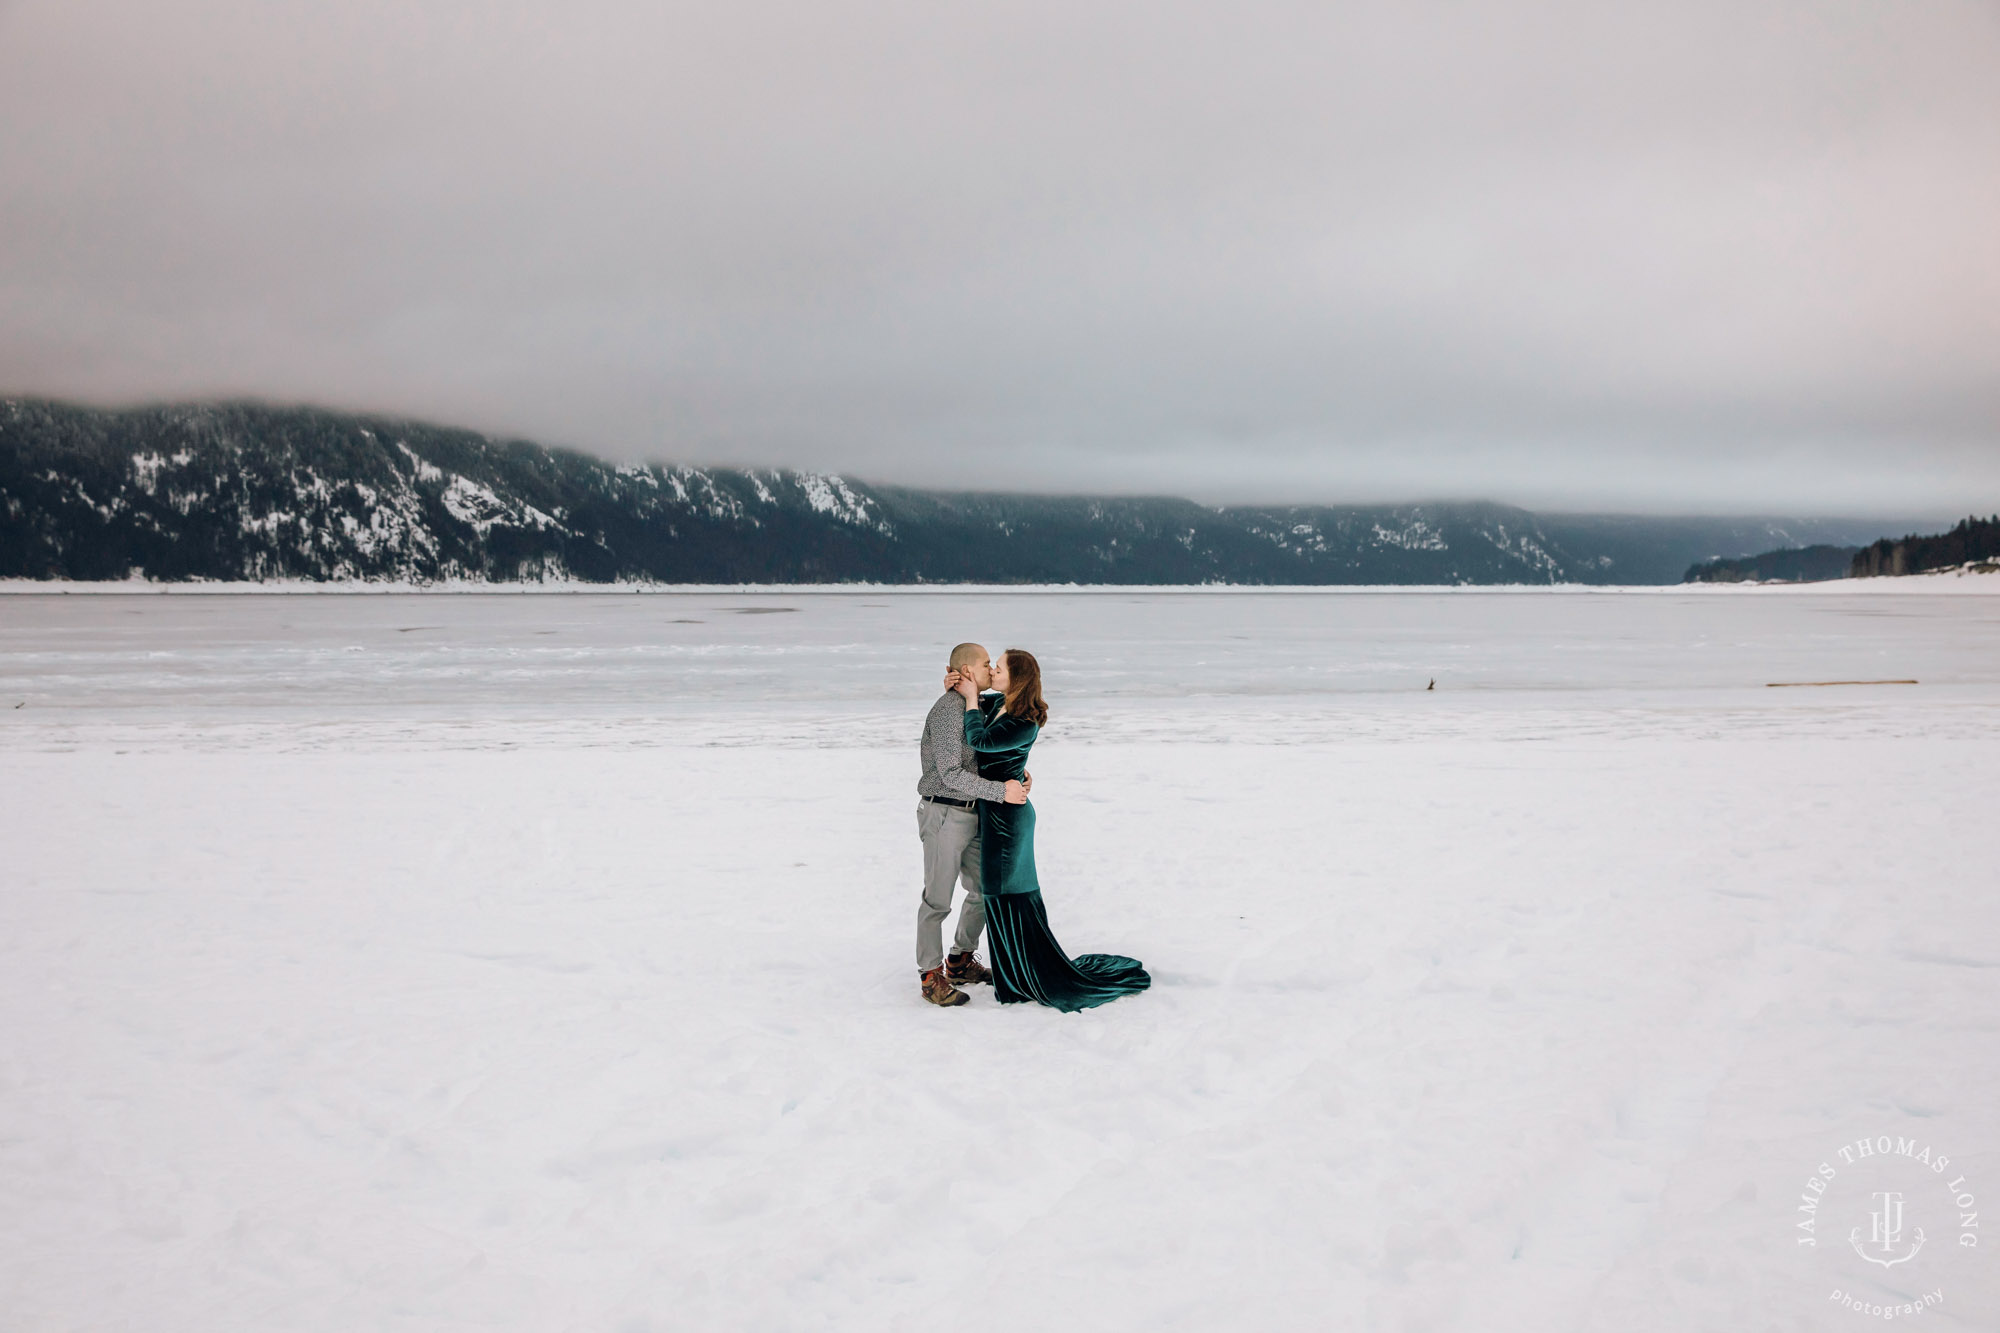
[{"x": 247, "y": 491}]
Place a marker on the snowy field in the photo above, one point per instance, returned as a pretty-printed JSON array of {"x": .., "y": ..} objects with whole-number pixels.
[{"x": 543, "y": 963}]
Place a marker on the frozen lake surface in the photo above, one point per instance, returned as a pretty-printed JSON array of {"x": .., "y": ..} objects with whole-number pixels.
[
  {"x": 543, "y": 962},
  {"x": 766, "y": 668}
]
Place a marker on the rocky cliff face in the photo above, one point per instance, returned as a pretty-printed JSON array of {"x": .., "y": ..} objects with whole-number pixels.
[{"x": 245, "y": 491}]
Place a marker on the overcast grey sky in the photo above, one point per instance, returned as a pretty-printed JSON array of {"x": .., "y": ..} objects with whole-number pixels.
[{"x": 1688, "y": 255}]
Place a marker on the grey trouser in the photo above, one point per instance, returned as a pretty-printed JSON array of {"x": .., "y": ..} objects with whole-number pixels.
[{"x": 951, "y": 852}]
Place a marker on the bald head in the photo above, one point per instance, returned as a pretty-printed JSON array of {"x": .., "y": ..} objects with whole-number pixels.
[{"x": 971, "y": 660}]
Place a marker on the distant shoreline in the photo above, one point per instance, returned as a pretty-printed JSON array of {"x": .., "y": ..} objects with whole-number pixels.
[{"x": 1942, "y": 582}]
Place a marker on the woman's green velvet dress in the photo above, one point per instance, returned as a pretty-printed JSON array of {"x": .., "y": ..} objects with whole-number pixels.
[{"x": 1028, "y": 963}]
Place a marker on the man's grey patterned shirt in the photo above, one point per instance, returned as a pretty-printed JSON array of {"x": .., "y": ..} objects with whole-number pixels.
[{"x": 951, "y": 767}]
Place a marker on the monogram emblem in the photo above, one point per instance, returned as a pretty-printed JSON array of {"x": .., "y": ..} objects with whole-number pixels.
[{"x": 1885, "y": 1232}]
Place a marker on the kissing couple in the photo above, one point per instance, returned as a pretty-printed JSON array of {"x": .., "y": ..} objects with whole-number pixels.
[{"x": 977, "y": 826}]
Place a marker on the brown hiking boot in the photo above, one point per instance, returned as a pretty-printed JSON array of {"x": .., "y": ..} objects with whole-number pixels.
[
  {"x": 939, "y": 991},
  {"x": 964, "y": 969}
]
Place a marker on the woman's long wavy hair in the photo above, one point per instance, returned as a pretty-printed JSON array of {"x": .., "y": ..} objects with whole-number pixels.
[{"x": 1024, "y": 687}]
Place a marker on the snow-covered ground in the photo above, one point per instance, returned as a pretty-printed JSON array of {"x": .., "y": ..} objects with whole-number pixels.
[{"x": 543, "y": 963}]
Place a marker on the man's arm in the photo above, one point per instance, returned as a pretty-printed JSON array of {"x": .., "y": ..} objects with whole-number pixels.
[
  {"x": 948, "y": 748},
  {"x": 951, "y": 679}
]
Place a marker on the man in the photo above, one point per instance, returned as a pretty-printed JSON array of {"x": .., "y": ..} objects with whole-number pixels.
[{"x": 948, "y": 822}]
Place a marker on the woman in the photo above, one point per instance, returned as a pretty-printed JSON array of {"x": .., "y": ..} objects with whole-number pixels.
[{"x": 1028, "y": 963}]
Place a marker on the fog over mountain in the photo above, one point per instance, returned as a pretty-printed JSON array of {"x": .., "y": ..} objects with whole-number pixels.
[
  {"x": 1726, "y": 257},
  {"x": 249, "y": 492}
]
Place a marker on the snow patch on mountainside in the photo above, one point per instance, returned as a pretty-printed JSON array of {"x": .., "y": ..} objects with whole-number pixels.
[
  {"x": 1526, "y": 549},
  {"x": 478, "y": 506},
  {"x": 146, "y": 467},
  {"x": 1414, "y": 535},
  {"x": 425, "y": 471},
  {"x": 828, "y": 493}
]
